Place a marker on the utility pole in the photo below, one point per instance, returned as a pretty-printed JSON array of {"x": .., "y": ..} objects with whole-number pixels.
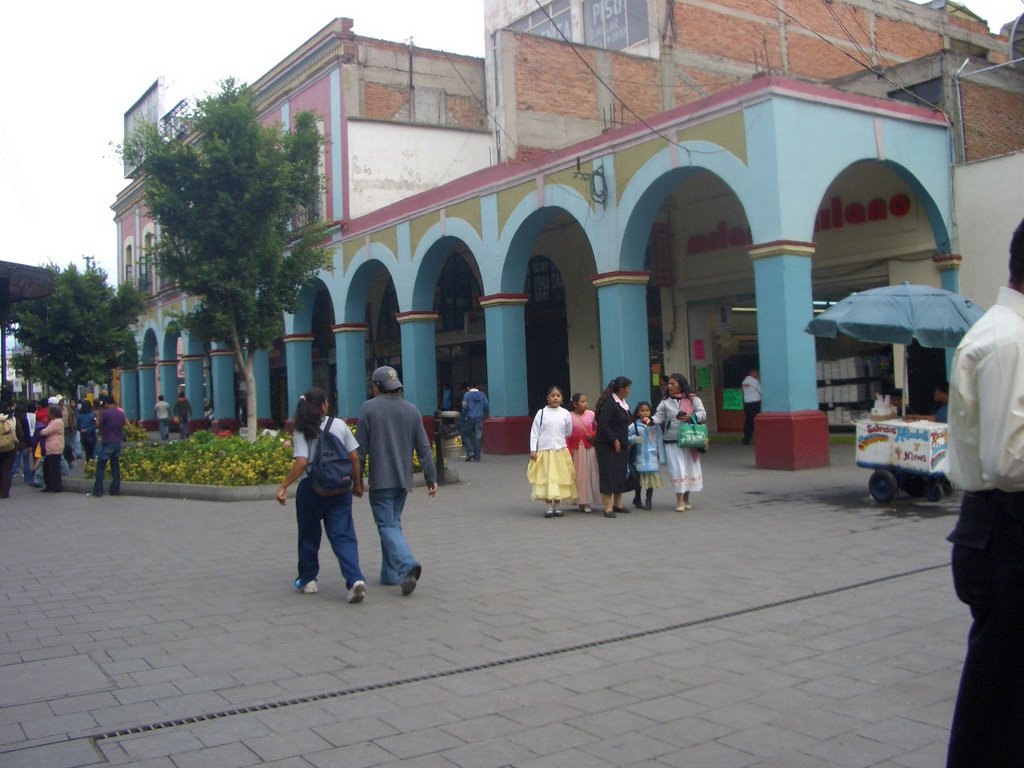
[{"x": 90, "y": 262}]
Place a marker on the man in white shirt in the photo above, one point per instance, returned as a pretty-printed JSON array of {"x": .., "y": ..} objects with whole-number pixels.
[
  {"x": 986, "y": 448},
  {"x": 751, "y": 402}
]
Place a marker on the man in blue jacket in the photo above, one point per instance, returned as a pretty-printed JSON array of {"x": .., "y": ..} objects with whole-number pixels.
[{"x": 474, "y": 404}]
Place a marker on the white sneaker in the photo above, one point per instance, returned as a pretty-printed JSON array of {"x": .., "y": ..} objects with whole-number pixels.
[
  {"x": 309, "y": 588},
  {"x": 357, "y": 593}
]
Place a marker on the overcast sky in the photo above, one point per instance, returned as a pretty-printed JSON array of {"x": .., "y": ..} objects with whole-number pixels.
[{"x": 70, "y": 70}]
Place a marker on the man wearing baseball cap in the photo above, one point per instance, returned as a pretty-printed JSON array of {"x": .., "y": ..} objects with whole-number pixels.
[{"x": 389, "y": 429}]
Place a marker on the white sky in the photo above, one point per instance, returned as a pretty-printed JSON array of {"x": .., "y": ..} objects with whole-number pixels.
[{"x": 70, "y": 70}]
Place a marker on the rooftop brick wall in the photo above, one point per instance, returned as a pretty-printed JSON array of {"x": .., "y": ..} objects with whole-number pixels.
[{"x": 992, "y": 120}]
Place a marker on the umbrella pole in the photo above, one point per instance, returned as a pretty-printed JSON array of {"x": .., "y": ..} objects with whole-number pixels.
[{"x": 906, "y": 382}]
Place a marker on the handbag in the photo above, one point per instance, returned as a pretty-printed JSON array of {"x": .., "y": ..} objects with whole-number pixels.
[
  {"x": 692, "y": 434},
  {"x": 632, "y": 477}
]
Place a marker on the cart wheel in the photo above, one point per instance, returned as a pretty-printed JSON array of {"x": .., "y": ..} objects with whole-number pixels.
[
  {"x": 882, "y": 486},
  {"x": 934, "y": 491}
]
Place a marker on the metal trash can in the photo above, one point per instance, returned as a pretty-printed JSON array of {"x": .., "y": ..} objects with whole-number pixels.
[{"x": 451, "y": 434}]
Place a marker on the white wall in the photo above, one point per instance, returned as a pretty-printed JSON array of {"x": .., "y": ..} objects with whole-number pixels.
[
  {"x": 988, "y": 202},
  {"x": 389, "y": 162}
]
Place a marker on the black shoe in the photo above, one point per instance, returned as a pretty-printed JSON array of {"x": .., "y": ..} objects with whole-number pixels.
[
  {"x": 409, "y": 583},
  {"x": 638, "y": 504},
  {"x": 647, "y": 506},
  {"x": 469, "y": 458},
  {"x": 610, "y": 514}
]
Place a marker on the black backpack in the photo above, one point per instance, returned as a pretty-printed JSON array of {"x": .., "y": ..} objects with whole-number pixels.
[{"x": 330, "y": 470}]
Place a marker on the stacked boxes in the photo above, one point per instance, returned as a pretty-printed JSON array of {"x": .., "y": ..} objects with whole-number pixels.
[{"x": 849, "y": 381}]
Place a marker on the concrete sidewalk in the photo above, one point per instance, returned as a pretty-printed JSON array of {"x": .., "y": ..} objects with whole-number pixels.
[{"x": 787, "y": 621}]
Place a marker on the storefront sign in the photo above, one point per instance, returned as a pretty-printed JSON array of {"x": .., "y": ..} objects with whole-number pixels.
[
  {"x": 721, "y": 237},
  {"x": 839, "y": 214},
  {"x": 698, "y": 349}
]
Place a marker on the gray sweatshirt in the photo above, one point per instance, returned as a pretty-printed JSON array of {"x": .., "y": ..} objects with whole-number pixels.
[{"x": 389, "y": 429}]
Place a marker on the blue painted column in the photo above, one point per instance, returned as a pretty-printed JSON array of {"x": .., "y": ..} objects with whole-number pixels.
[
  {"x": 129, "y": 386},
  {"x": 507, "y": 430},
  {"x": 298, "y": 357},
  {"x": 222, "y": 370},
  {"x": 167, "y": 372},
  {"x": 194, "y": 390},
  {"x": 261, "y": 373},
  {"x": 622, "y": 313},
  {"x": 419, "y": 359},
  {"x": 791, "y": 432},
  {"x": 147, "y": 391},
  {"x": 352, "y": 378}
]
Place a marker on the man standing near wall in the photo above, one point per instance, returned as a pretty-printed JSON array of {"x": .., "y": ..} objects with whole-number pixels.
[
  {"x": 751, "y": 402},
  {"x": 474, "y": 405},
  {"x": 986, "y": 441},
  {"x": 389, "y": 429}
]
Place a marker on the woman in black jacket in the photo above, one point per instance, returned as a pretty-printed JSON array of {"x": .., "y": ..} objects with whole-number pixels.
[{"x": 612, "y": 443}]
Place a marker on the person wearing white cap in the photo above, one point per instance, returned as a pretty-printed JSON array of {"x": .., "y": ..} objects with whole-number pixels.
[{"x": 389, "y": 429}]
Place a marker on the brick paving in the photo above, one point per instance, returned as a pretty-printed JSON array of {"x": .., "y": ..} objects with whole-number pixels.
[{"x": 787, "y": 621}]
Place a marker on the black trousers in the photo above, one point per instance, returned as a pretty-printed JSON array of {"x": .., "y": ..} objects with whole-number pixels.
[
  {"x": 988, "y": 574},
  {"x": 52, "y": 482},
  {"x": 750, "y": 410}
]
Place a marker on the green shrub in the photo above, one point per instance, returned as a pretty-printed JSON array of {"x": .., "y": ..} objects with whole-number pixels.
[{"x": 206, "y": 459}]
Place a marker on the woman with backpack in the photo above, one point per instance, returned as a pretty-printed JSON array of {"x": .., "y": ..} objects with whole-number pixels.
[{"x": 326, "y": 506}]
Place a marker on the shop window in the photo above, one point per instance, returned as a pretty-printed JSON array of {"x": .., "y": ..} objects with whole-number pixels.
[
  {"x": 615, "y": 24},
  {"x": 457, "y": 293}
]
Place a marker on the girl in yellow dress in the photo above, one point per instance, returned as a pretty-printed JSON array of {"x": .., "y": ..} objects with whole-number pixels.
[{"x": 551, "y": 472}]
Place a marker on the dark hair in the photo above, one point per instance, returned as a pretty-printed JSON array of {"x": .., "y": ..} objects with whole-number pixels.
[
  {"x": 1017, "y": 255},
  {"x": 613, "y": 386},
  {"x": 309, "y": 412},
  {"x": 86, "y": 407},
  {"x": 575, "y": 399},
  {"x": 54, "y": 411},
  {"x": 684, "y": 385},
  {"x": 641, "y": 404}
]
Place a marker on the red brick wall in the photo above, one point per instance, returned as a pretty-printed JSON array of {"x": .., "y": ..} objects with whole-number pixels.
[
  {"x": 993, "y": 120},
  {"x": 551, "y": 78},
  {"x": 725, "y": 36},
  {"x": 637, "y": 82},
  {"x": 904, "y": 39},
  {"x": 467, "y": 111},
  {"x": 383, "y": 102},
  {"x": 812, "y": 57}
]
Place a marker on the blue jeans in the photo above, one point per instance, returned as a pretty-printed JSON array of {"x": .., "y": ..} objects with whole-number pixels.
[
  {"x": 23, "y": 462},
  {"x": 473, "y": 438},
  {"x": 108, "y": 452},
  {"x": 164, "y": 426},
  {"x": 335, "y": 512},
  {"x": 396, "y": 558}
]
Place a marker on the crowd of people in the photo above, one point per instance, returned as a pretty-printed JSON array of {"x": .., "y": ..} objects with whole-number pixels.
[
  {"x": 587, "y": 457},
  {"x": 41, "y": 441}
]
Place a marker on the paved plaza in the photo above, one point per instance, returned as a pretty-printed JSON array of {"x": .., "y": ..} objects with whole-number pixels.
[{"x": 787, "y": 621}]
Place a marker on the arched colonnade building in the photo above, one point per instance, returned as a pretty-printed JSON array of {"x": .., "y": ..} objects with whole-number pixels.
[{"x": 647, "y": 250}]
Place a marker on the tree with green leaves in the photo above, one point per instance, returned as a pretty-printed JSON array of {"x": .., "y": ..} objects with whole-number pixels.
[
  {"x": 76, "y": 334},
  {"x": 236, "y": 202}
]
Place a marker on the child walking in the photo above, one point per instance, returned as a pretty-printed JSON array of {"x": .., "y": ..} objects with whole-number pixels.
[
  {"x": 648, "y": 453},
  {"x": 551, "y": 471}
]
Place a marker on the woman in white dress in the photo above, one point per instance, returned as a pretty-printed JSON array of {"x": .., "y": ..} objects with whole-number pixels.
[{"x": 683, "y": 463}]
